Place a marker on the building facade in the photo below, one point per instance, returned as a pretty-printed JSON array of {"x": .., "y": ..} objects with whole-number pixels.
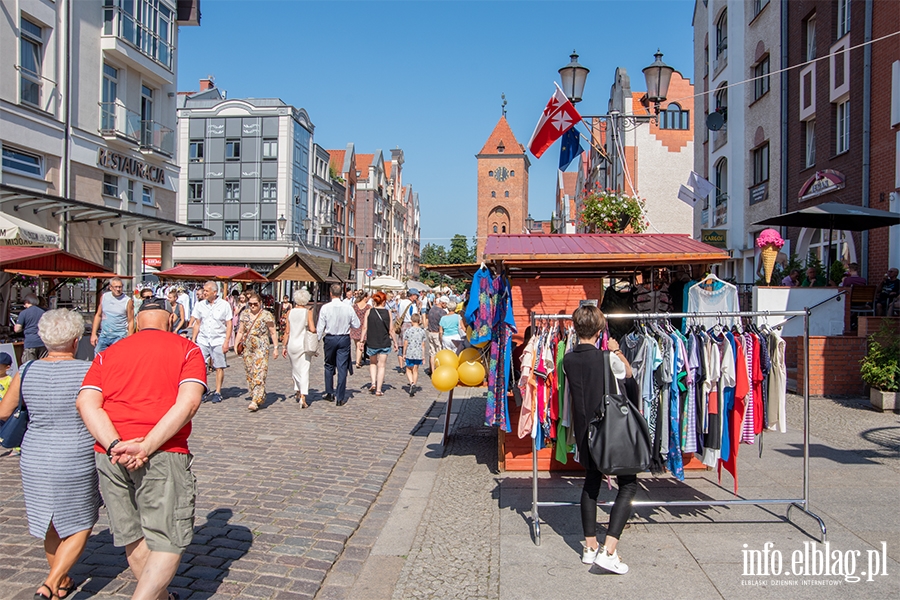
[
  {"x": 251, "y": 174},
  {"x": 373, "y": 217},
  {"x": 843, "y": 120},
  {"x": 342, "y": 168},
  {"x": 87, "y": 124},
  {"x": 502, "y": 185}
]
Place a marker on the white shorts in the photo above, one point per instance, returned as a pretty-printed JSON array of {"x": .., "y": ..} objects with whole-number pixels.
[{"x": 218, "y": 355}]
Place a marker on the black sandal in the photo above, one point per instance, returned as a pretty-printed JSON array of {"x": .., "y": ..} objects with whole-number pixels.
[
  {"x": 39, "y": 596},
  {"x": 68, "y": 589}
]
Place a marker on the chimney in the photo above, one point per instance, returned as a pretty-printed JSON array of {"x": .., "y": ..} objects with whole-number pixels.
[{"x": 207, "y": 84}]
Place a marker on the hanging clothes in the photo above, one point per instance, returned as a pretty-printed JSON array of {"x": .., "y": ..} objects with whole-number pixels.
[{"x": 712, "y": 295}]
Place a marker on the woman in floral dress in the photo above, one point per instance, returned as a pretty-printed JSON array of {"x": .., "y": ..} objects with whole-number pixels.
[{"x": 256, "y": 331}]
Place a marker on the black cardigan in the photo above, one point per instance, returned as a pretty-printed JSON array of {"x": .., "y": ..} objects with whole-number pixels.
[{"x": 585, "y": 377}]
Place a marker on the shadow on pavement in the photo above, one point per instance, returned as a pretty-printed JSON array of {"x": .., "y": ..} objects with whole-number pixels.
[
  {"x": 836, "y": 455},
  {"x": 217, "y": 544}
]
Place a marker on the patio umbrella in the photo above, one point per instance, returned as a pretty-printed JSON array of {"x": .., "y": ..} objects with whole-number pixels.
[
  {"x": 417, "y": 285},
  {"x": 16, "y": 232},
  {"x": 386, "y": 282},
  {"x": 831, "y": 215}
]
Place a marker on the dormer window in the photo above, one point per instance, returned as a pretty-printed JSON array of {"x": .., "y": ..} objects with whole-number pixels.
[{"x": 501, "y": 148}]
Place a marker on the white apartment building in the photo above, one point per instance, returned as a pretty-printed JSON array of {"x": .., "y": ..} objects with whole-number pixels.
[
  {"x": 739, "y": 151},
  {"x": 87, "y": 123}
]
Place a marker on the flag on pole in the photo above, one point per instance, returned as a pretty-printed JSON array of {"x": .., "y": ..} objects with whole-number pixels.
[
  {"x": 687, "y": 195},
  {"x": 558, "y": 117},
  {"x": 701, "y": 186},
  {"x": 570, "y": 148}
]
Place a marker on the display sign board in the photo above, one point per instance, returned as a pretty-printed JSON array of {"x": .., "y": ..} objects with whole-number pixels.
[
  {"x": 822, "y": 182},
  {"x": 759, "y": 193},
  {"x": 718, "y": 238}
]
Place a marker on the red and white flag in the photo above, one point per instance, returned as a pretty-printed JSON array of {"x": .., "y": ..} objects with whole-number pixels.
[{"x": 559, "y": 117}]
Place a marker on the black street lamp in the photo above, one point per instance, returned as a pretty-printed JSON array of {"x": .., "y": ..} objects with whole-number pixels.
[
  {"x": 573, "y": 76},
  {"x": 657, "y": 75}
]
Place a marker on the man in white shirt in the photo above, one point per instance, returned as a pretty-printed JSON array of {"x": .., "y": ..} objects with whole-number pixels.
[
  {"x": 407, "y": 306},
  {"x": 335, "y": 320},
  {"x": 212, "y": 332}
]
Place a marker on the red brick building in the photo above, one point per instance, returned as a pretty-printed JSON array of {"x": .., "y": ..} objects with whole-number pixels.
[{"x": 842, "y": 138}]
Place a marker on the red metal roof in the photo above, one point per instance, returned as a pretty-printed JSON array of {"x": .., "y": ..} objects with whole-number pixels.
[
  {"x": 49, "y": 262},
  {"x": 588, "y": 250},
  {"x": 199, "y": 272}
]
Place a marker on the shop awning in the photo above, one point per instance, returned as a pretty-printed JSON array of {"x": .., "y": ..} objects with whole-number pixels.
[
  {"x": 586, "y": 252},
  {"x": 18, "y": 232},
  {"x": 49, "y": 262},
  {"x": 305, "y": 267},
  {"x": 15, "y": 200},
  {"x": 211, "y": 272}
]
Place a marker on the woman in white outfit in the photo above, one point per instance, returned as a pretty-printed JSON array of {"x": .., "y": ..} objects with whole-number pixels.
[{"x": 299, "y": 321}]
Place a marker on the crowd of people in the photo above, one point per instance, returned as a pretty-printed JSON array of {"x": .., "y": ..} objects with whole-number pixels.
[{"x": 114, "y": 427}]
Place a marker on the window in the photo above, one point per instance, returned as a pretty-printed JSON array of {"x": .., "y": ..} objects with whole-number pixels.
[
  {"x": 146, "y": 116},
  {"x": 270, "y": 149},
  {"x": 506, "y": 194},
  {"x": 129, "y": 190},
  {"x": 810, "y": 143},
  {"x": 490, "y": 173},
  {"x": 495, "y": 229},
  {"x": 722, "y": 36},
  {"x": 22, "y": 162},
  {"x": 512, "y": 173},
  {"x": 31, "y": 46},
  {"x": 195, "y": 151},
  {"x": 269, "y": 191},
  {"x": 811, "y": 38},
  {"x": 843, "y": 18},
  {"x": 503, "y": 229},
  {"x": 111, "y": 186},
  {"x": 721, "y": 209},
  {"x": 842, "y": 127},
  {"x": 674, "y": 118},
  {"x": 147, "y": 195},
  {"x": 145, "y": 24},
  {"x": 129, "y": 258},
  {"x": 232, "y": 149},
  {"x": 268, "y": 230},
  {"x": 761, "y": 164},
  {"x": 758, "y": 5},
  {"x": 706, "y": 61},
  {"x": 110, "y": 254},
  {"x": 761, "y": 83},
  {"x": 109, "y": 93},
  {"x": 232, "y": 191},
  {"x": 232, "y": 230},
  {"x": 195, "y": 191},
  {"x": 493, "y": 194}
]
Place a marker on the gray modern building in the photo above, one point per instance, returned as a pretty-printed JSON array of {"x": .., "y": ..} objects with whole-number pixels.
[{"x": 246, "y": 174}]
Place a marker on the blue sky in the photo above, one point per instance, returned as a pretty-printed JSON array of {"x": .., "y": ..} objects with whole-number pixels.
[{"x": 426, "y": 76}]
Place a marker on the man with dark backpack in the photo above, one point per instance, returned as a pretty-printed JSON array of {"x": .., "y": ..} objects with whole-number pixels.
[{"x": 586, "y": 375}]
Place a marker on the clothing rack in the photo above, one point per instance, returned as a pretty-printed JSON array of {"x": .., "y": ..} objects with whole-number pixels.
[{"x": 799, "y": 503}]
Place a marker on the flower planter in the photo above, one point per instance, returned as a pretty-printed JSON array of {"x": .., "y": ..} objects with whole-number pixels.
[{"x": 884, "y": 401}]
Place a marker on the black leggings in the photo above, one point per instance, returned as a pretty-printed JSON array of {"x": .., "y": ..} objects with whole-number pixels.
[{"x": 621, "y": 510}]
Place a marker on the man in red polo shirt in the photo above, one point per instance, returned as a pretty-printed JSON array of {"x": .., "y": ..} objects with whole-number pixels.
[{"x": 145, "y": 389}]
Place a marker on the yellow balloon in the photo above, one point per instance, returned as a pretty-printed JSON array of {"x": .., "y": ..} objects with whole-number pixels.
[
  {"x": 444, "y": 378},
  {"x": 471, "y": 373},
  {"x": 446, "y": 358},
  {"x": 469, "y": 354}
]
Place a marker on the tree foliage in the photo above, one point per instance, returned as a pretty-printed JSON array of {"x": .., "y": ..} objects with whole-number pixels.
[
  {"x": 436, "y": 254},
  {"x": 459, "y": 250}
]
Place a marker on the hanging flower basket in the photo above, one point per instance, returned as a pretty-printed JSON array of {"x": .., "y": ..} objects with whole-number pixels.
[{"x": 610, "y": 211}]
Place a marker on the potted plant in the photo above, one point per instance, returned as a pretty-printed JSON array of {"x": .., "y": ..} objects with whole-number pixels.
[
  {"x": 880, "y": 368},
  {"x": 611, "y": 211}
]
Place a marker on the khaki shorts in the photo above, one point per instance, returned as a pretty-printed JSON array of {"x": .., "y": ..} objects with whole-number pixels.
[
  {"x": 156, "y": 502},
  {"x": 434, "y": 342}
]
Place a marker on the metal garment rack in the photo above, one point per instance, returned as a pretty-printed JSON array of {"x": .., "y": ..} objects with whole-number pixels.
[{"x": 799, "y": 503}]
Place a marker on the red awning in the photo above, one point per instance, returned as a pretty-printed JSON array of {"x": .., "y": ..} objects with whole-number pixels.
[
  {"x": 49, "y": 262},
  {"x": 214, "y": 272},
  {"x": 587, "y": 251}
]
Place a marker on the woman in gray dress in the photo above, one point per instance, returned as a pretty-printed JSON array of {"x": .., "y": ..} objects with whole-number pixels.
[{"x": 59, "y": 477}]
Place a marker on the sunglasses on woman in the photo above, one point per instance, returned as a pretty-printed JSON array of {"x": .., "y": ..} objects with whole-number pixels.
[{"x": 253, "y": 304}]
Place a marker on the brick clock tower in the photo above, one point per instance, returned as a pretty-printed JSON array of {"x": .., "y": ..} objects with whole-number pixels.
[{"x": 502, "y": 185}]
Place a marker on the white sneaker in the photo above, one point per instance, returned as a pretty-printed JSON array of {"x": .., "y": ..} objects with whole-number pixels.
[
  {"x": 611, "y": 563},
  {"x": 589, "y": 554}
]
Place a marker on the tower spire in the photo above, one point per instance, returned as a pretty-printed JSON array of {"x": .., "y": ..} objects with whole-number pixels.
[{"x": 503, "y": 105}]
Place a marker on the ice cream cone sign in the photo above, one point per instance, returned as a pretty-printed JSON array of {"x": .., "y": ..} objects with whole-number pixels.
[{"x": 770, "y": 242}]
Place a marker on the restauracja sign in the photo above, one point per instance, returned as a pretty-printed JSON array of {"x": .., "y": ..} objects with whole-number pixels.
[{"x": 130, "y": 166}]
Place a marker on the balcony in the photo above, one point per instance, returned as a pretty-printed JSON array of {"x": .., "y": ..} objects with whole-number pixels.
[
  {"x": 118, "y": 121},
  {"x": 146, "y": 45},
  {"x": 157, "y": 138}
]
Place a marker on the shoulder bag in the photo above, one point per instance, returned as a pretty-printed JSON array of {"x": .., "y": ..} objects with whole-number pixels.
[
  {"x": 311, "y": 341},
  {"x": 239, "y": 348},
  {"x": 398, "y": 323},
  {"x": 618, "y": 436},
  {"x": 13, "y": 429}
]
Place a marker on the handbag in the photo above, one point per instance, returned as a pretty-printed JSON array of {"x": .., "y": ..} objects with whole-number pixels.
[
  {"x": 12, "y": 432},
  {"x": 618, "y": 436},
  {"x": 239, "y": 347},
  {"x": 398, "y": 322},
  {"x": 310, "y": 341}
]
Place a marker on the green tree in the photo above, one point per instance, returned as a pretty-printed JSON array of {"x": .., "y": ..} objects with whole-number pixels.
[
  {"x": 473, "y": 253},
  {"x": 459, "y": 250},
  {"x": 433, "y": 254}
]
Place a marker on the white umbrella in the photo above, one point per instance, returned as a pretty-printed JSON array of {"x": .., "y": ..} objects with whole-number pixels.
[
  {"x": 385, "y": 282},
  {"x": 16, "y": 232},
  {"x": 417, "y": 285}
]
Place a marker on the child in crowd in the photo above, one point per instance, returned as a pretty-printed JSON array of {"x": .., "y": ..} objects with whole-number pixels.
[{"x": 414, "y": 351}]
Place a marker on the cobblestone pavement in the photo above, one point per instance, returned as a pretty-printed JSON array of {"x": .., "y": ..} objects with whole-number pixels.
[
  {"x": 281, "y": 491},
  {"x": 851, "y": 424},
  {"x": 456, "y": 551}
]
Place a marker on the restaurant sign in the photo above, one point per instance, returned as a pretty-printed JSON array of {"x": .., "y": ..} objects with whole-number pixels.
[
  {"x": 822, "y": 182},
  {"x": 130, "y": 166},
  {"x": 714, "y": 237}
]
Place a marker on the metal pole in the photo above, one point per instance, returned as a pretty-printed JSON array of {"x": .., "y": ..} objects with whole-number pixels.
[{"x": 806, "y": 410}]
